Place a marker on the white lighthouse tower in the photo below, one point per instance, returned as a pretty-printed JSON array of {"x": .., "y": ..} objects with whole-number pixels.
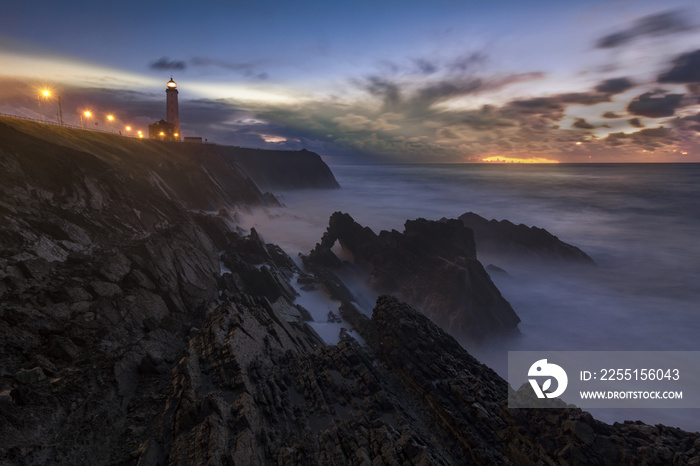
[{"x": 172, "y": 112}]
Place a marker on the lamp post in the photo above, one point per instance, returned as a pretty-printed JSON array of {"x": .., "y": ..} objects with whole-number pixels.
[
  {"x": 60, "y": 111},
  {"x": 110, "y": 118},
  {"x": 87, "y": 114},
  {"x": 43, "y": 94}
]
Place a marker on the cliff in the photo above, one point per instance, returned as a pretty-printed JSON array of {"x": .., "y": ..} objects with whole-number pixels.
[
  {"x": 283, "y": 169},
  {"x": 203, "y": 176},
  {"x": 136, "y": 329}
]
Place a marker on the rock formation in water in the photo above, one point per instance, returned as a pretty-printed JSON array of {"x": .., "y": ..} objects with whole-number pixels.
[
  {"x": 431, "y": 265},
  {"x": 505, "y": 239},
  {"x": 122, "y": 342}
]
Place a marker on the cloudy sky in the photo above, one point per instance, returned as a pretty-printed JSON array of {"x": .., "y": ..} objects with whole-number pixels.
[{"x": 385, "y": 80}]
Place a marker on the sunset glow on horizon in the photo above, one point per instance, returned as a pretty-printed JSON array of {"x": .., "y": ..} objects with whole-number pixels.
[
  {"x": 501, "y": 159},
  {"x": 442, "y": 81}
]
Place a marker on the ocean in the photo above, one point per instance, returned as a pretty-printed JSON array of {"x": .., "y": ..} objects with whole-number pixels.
[{"x": 639, "y": 222}]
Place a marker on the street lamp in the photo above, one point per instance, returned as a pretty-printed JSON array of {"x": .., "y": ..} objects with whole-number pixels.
[
  {"x": 45, "y": 93},
  {"x": 87, "y": 114},
  {"x": 110, "y": 118}
]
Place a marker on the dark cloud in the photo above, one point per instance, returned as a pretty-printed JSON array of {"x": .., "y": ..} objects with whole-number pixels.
[
  {"x": 611, "y": 115},
  {"x": 548, "y": 108},
  {"x": 385, "y": 89},
  {"x": 636, "y": 123},
  {"x": 164, "y": 63},
  {"x": 686, "y": 69},
  {"x": 653, "y": 133},
  {"x": 466, "y": 62},
  {"x": 582, "y": 98},
  {"x": 655, "y": 104},
  {"x": 487, "y": 118},
  {"x": 669, "y": 22},
  {"x": 614, "y": 86},
  {"x": 616, "y": 139},
  {"x": 695, "y": 118},
  {"x": 537, "y": 105},
  {"x": 446, "y": 133},
  {"x": 425, "y": 67},
  {"x": 444, "y": 90},
  {"x": 687, "y": 123},
  {"x": 649, "y": 139},
  {"x": 581, "y": 123}
]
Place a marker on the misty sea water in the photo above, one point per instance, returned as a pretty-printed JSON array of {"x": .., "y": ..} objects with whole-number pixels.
[{"x": 639, "y": 222}]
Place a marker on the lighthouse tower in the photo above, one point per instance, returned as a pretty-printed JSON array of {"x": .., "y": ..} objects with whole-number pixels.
[{"x": 172, "y": 112}]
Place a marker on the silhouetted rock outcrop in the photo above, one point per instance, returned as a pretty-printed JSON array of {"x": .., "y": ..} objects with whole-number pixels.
[
  {"x": 505, "y": 239},
  {"x": 136, "y": 331},
  {"x": 283, "y": 169},
  {"x": 431, "y": 265}
]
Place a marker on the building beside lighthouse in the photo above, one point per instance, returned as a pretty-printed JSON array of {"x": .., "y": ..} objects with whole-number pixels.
[{"x": 168, "y": 129}]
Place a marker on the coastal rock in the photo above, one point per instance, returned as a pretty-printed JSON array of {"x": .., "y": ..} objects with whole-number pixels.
[
  {"x": 414, "y": 396},
  {"x": 431, "y": 265},
  {"x": 104, "y": 272},
  {"x": 283, "y": 170},
  {"x": 505, "y": 239},
  {"x": 123, "y": 343}
]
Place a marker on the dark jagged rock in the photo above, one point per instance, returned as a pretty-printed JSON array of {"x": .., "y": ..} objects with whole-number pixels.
[
  {"x": 253, "y": 389},
  {"x": 121, "y": 342},
  {"x": 505, "y": 239},
  {"x": 105, "y": 272},
  {"x": 431, "y": 265}
]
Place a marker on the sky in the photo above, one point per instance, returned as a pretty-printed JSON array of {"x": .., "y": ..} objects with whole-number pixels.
[{"x": 437, "y": 81}]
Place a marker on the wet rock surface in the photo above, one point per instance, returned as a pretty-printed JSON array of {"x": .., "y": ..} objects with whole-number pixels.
[
  {"x": 134, "y": 331},
  {"x": 431, "y": 265},
  {"x": 506, "y": 239}
]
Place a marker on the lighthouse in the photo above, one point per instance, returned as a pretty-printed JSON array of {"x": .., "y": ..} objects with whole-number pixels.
[
  {"x": 169, "y": 129},
  {"x": 172, "y": 113}
]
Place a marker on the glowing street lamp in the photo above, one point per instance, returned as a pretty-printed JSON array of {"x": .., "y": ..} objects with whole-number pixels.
[
  {"x": 87, "y": 114},
  {"x": 44, "y": 94},
  {"x": 110, "y": 118}
]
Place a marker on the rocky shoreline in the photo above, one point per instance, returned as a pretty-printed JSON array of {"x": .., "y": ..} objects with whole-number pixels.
[{"x": 139, "y": 325}]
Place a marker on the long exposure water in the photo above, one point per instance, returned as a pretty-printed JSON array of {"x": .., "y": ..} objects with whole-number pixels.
[{"x": 639, "y": 222}]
